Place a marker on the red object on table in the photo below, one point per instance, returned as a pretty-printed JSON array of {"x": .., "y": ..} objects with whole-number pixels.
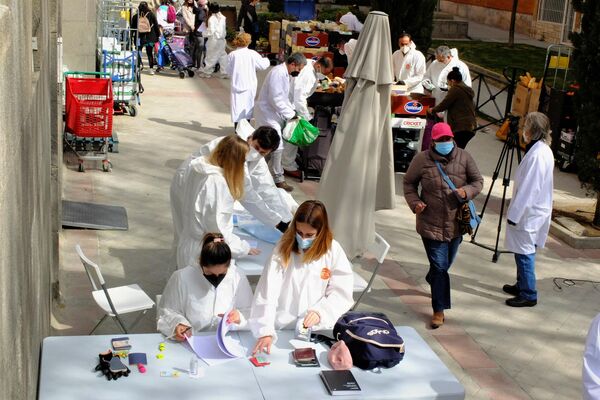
[
  {"x": 89, "y": 107},
  {"x": 407, "y": 106}
]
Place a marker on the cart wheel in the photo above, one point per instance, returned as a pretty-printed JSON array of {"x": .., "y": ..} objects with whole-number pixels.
[
  {"x": 190, "y": 73},
  {"x": 132, "y": 111},
  {"x": 182, "y": 74},
  {"x": 81, "y": 167}
]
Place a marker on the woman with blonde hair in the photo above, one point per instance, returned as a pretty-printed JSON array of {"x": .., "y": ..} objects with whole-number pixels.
[
  {"x": 191, "y": 301},
  {"x": 242, "y": 66},
  {"x": 307, "y": 281},
  {"x": 202, "y": 195}
]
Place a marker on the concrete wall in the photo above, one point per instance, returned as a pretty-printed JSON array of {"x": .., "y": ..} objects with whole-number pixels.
[
  {"x": 28, "y": 126},
  {"x": 79, "y": 34},
  {"x": 494, "y": 14}
]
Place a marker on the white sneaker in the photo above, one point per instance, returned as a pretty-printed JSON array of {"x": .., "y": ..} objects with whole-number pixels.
[{"x": 151, "y": 72}]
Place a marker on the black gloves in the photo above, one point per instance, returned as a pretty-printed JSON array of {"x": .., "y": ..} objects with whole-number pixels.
[
  {"x": 400, "y": 83},
  {"x": 111, "y": 367},
  {"x": 282, "y": 226},
  {"x": 511, "y": 223}
]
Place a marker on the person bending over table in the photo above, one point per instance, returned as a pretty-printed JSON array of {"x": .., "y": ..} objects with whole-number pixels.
[
  {"x": 196, "y": 297},
  {"x": 203, "y": 192},
  {"x": 308, "y": 277}
]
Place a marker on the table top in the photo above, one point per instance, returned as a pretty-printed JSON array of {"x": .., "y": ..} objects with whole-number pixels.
[
  {"x": 253, "y": 265},
  {"x": 67, "y": 372}
]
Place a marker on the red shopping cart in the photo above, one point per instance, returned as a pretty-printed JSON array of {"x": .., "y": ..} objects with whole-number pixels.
[{"x": 89, "y": 114}]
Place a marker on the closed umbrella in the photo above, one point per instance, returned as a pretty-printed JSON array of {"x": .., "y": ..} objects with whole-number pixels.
[{"x": 358, "y": 177}]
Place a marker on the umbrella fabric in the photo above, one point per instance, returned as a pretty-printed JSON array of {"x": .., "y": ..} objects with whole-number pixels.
[{"x": 358, "y": 177}]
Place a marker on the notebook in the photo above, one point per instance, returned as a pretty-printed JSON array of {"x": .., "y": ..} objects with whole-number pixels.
[{"x": 339, "y": 383}]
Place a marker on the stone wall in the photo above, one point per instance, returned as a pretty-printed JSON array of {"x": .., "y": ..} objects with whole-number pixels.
[
  {"x": 496, "y": 17},
  {"x": 79, "y": 34},
  {"x": 547, "y": 31},
  {"x": 28, "y": 127}
]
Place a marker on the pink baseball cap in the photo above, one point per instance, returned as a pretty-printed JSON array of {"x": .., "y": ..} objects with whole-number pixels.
[{"x": 441, "y": 129}]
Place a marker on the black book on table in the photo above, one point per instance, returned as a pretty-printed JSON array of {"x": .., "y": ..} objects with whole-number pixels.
[{"x": 340, "y": 383}]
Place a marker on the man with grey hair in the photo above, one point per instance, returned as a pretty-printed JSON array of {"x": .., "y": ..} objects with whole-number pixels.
[
  {"x": 528, "y": 216},
  {"x": 435, "y": 79},
  {"x": 273, "y": 108}
]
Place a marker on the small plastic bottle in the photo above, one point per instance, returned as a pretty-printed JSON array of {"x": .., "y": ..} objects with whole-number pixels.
[{"x": 194, "y": 365}]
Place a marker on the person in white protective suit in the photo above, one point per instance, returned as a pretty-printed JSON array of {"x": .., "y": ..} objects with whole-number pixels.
[
  {"x": 274, "y": 108},
  {"x": 307, "y": 282},
  {"x": 591, "y": 362},
  {"x": 196, "y": 297},
  {"x": 302, "y": 87},
  {"x": 261, "y": 198},
  {"x": 351, "y": 20},
  {"x": 409, "y": 64},
  {"x": 210, "y": 185},
  {"x": 528, "y": 215},
  {"x": 241, "y": 68},
  {"x": 436, "y": 76},
  {"x": 216, "y": 32}
]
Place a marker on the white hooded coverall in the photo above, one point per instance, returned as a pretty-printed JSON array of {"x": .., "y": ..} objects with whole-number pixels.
[
  {"x": 261, "y": 198},
  {"x": 285, "y": 294},
  {"x": 273, "y": 108},
  {"x": 242, "y": 66},
  {"x": 591, "y": 362},
  {"x": 201, "y": 203},
  {"x": 190, "y": 299},
  {"x": 410, "y": 68},
  {"x": 216, "y": 32}
]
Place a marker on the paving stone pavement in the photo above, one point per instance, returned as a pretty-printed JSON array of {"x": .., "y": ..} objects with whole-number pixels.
[{"x": 495, "y": 351}]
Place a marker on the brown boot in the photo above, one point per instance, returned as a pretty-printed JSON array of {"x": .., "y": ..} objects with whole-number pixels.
[
  {"x": 283, "y": 185},
  {"x": 437, "y": 319}
]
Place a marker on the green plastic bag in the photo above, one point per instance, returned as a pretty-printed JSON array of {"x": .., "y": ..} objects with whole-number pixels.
[{"x": 300, "y": 132}]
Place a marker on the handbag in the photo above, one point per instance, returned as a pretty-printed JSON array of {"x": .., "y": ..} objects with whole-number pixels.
[
  {"x": 300, "y": 132},
  {"x": 467, "y": 217}
]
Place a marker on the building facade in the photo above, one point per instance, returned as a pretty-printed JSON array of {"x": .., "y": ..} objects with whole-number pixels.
[{"x": 547, "y": 20}]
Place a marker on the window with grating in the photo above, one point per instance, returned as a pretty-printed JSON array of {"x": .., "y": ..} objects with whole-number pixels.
[{"x": 552, "y": 11}]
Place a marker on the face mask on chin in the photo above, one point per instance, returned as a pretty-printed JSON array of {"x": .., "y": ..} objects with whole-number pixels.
[{"x": 253, "y": 155}]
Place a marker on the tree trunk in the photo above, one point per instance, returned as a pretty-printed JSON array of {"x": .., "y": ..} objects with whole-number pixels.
[
  {"x": 596, "y": 221},
  {"x": 513, "y": 20}
]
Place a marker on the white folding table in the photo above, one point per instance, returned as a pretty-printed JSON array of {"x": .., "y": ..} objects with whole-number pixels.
[{"x": 67, "y": 372}]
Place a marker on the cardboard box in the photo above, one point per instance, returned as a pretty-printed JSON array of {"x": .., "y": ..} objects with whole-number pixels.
[
  {"x": 310, "y": 54},
  {"x": 310, "y": 40},
  {"x": 274, "y": 46},
  {"x": 274, "y": 30},
  {"x": 313, "y": 50},
  {"x": 520, "y": 103}
]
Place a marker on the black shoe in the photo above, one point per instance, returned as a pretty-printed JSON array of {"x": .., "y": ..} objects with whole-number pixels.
[
  {"x": 511, "y": 289},
  {"x": 520, "y": 302}
]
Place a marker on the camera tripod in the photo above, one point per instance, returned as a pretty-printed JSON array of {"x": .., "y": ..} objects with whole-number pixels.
[{"x": 505, "y": 162}]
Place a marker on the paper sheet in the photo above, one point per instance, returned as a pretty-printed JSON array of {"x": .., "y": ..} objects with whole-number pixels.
[
  {"x": 207, "y": 349},
  {"x": 261, "y": 231},
  {"x": 227, "y": 343}
]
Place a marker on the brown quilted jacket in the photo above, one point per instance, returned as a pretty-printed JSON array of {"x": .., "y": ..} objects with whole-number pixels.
[{"x": 438, "y": 220}]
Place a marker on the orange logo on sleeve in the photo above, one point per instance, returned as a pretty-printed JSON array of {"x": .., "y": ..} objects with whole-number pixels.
[{"x": 325, "y": 273}]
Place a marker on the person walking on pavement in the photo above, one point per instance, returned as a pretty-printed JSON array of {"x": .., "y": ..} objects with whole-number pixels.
[
  {"x": 248, "y": 20},
  {"x": 274, "y": 108},
  {"x": 147, "y": 32},
  {"x": 242, "y": 65},
  {"x": 459, "y": 107},
  {"x": 409, "y": 65},
  {"x": 530, "y": 209},
  {"x": 437, "y": 206},
  {"x": 216, "y": 32},
  {"x": 199, "y": 43},
  {"x": 302, "y": 87}
]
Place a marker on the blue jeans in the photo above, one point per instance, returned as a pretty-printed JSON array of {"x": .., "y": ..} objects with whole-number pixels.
[
  {"x": 441, "y": 256},
  {"x": 526, "y": 276}
]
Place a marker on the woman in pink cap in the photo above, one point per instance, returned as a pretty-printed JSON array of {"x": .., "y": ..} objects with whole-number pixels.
[{"x": 437, "y": 206}]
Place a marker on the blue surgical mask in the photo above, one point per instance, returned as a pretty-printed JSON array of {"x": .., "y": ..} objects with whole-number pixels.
[
  {"x": 304, "y": 243},
  {"x": 444, "y": 148}
]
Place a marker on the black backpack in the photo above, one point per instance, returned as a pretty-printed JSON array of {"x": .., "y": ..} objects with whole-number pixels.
[{"x": 371, "y": 338}]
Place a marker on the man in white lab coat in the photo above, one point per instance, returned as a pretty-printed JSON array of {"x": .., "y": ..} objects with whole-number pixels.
[
  {"x": 261, "y": 198},
  {"x": 530, "y": 210},
  {"x": 436, "y": 76},
  {"x": 409, "y": 64},
  {"x": 242, "y": 67},
  {"x": 591, "y": 362},
  {"x": 302, "y": 87},
  {"x": 274, "y": 108},
  {"x": 351, "y": 20}
]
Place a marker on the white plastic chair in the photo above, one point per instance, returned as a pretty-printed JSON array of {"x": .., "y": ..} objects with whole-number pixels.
[
  {"x": 379, "y": 248},
  {"x": 114, "y": 301}
]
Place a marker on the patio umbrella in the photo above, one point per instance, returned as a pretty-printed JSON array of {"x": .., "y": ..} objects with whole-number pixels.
[{"x": 358, "y": 177}]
